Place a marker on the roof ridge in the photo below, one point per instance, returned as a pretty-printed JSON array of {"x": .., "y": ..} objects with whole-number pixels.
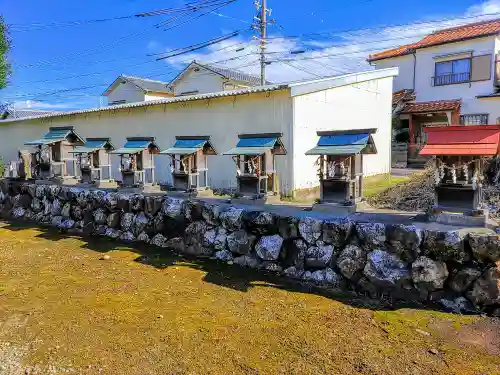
[
  {"x": 143, "y": 79},
  {"x": 233, "y": 69},
  {"x": 444, "y": 36},
  {"x": 454, "y": 28}
]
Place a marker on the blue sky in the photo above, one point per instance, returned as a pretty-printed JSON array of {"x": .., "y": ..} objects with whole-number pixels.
[{"x": 62, "y": 67}]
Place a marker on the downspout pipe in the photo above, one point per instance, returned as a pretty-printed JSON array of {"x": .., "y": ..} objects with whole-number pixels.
[{"x": 414, "y": 68}]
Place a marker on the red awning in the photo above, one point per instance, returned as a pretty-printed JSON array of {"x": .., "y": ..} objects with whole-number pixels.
[{"x": 462, "y": 140}]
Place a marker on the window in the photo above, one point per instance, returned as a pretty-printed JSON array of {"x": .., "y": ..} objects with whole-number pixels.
[
  {"x": 185, "y": 93},
  {"x": 453, "y": 71},
  {"x": 118, "y": 102},
  {"x": 474, "y": 119}
]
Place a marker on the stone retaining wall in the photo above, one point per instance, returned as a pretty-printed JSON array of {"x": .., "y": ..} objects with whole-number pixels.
[{"x": 459, "y": 269}]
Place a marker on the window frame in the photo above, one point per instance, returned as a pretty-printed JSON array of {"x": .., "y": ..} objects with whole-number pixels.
[
  {"x": 434, "y": 79},
  {"x": 471, "y": 115}
]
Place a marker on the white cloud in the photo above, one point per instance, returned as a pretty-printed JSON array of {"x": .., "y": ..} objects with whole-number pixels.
[{"x": 328, "y": 54}]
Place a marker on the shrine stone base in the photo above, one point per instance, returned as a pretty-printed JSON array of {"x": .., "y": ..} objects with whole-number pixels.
[
  {"x": 335, "y": 209},
  {"x": 461, "y": 219},
  {"x": 249, "y": 200}
]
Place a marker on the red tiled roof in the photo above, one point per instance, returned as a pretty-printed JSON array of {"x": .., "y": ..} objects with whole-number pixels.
[
  {"x": 404, "y": 94},
  {"x": 462, "y": 140},
  {"x": 435, "y": 106},
  {"x": 455, "y": 34}
]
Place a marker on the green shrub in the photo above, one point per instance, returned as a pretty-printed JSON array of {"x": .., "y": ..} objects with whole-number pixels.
[{"x": 403, "y": 136}]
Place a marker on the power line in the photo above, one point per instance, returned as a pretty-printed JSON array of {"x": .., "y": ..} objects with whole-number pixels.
[
  {"x": 41, "y": 26},
  {"x": 126, "y": 37},
  {"x": 62, "y": 91},
  {"x": 383, "y": 27}
]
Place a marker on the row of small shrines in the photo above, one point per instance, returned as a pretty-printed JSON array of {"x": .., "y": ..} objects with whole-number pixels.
[
  {"x": 61, "y": 153},
  {"x": 459, "y": 155}
]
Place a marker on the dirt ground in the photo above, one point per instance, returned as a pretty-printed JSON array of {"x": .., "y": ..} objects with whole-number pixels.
[{"x": 63, "y": 310}]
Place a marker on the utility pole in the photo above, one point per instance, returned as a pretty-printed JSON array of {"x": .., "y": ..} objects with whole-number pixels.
[{"x": 263, "y": 36}]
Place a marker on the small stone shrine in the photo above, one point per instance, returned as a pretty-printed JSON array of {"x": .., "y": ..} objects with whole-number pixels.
[
  {"x": 460, "y": 153},
  {"x": 19, "y": 169},
  {"x": 255, "y": 158},
  {"x": 340, "y": 167},
  {"x": 53, "y": 158},
  {"x": 137, "y": 162},
  {"x": 189, "y": 164},
  {"x": 94, "y": 160}
]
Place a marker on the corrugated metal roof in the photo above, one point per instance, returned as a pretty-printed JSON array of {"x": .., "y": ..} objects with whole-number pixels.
[
  {"x": 296, "y": 88},
  {"x": 462, "y": 140},
  {"x": 185, "y": 146},
  {"x": 135, "y": 145},
  {"x": 177, "y": 99},
  {"x": 148, "y": 84},
  {"x": 233, "y": 74},
  {"x": 128, "y": 150},
  {"x": 247, "y": 150},
  {"x": 42, "y": 141},
  {"x": 55, "y": 134},
  {"x": 336, "y": 150},
  {"x": 22, "y": 113},
  {"x": 268, "y": 142},
  {"x": 345, "y": 139},
  {"x": 92, "y": 145},
  {"x": 351, "y": 143},
  {"x": 253, "y": 146}
]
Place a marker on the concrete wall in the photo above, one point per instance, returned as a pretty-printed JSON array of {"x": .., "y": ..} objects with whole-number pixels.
[
  {"x": 359, "y": 106},
  {"x": 222, "y": 118},
  {"x": 405, "y": 64},
  {"x": 128, "y": 92}
]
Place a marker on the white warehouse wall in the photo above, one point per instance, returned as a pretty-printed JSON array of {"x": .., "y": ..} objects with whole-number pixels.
[
  {"x": 358, "y": 106},
  {"x": 221, "y": 118}
]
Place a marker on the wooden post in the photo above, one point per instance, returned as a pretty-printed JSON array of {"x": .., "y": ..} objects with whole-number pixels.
[{"x": 411, "y": 131}]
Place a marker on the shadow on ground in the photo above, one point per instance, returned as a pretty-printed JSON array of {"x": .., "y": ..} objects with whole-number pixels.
[{"x": 218, "y": 273}]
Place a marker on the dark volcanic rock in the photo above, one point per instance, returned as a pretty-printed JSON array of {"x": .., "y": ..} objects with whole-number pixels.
[
  {"x": 485, "y": 248},
  {"x": 445, "y": 246},
  {"x": 486, "y": 290},
  {"x": 269, "y": 247},
  {"x": 241, "y": 242},
  {"x": 386, "y": 270},
  {"x": 461, "y": 279},
  {"x": 336, "y": 232},
  {"x": 404, "y": 240},
  {"x": 263, "y": 223},
  {"x": 428, "y": 275},
  {"x": 351, "y": 261},
  {"x": 288, "y": 227}
]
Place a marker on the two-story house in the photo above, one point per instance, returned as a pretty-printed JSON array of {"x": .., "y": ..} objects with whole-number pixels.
[
  {"x": 448, "y": 77},
  {"x": 196, "y": 78}
]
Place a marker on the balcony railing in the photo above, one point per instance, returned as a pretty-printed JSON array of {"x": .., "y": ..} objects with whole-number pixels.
[{"x": 451, "y": 79}]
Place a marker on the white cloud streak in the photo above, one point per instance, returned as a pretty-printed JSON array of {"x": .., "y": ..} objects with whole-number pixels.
[{"x": 343, "y": 52}]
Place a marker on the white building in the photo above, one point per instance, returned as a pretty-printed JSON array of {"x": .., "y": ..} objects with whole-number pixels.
[
  {"x": 127, "y": 89},
  {"x": 298, "y": 111},
  {"x": 199, "y": 78},
  {"x": 448, "y": 77},
  {"x": 196, "y": 78}
]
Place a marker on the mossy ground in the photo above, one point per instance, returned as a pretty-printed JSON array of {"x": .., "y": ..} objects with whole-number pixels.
[{"x": 149, "y": 312}]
